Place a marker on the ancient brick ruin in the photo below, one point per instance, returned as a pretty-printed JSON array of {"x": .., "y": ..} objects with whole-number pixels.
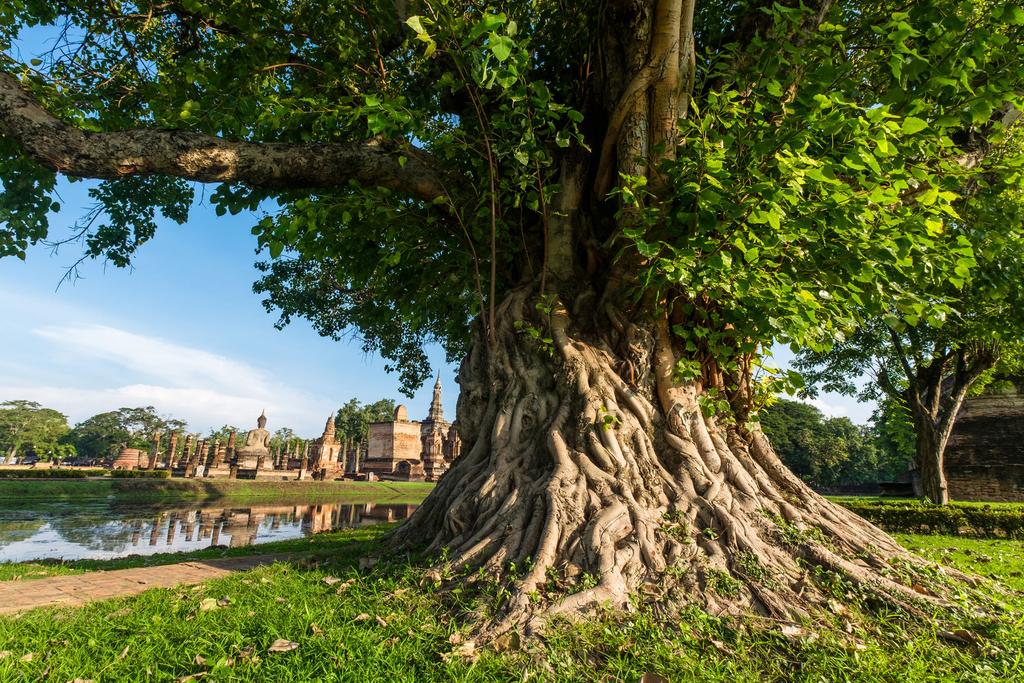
[
  {"x": 413, "y": 451},
  {"x": 985, "y": 454},
  {"x": 398, "y": 450}
]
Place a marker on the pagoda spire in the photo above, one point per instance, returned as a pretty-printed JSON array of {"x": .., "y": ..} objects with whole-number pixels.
[
  {"x": 329, "y": 428},
  {"x": 436, "y": 413}
]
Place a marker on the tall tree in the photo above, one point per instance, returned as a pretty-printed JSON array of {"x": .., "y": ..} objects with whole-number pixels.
[
  {"x": 607, "y": 208},
  {"x": 828, "y": 451},
  {"x": 353, "y": 420},
  {"x": 103, "y": 435},
  {"x": 26, "y": 427},
  {"x": 927, "y": 359}
]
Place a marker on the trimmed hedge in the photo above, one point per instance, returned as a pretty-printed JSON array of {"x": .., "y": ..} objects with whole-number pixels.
[
  {"x": 140, "y": 474},
  {"x": 50, "y": 473},
  {"x": 953, "y": 519}
]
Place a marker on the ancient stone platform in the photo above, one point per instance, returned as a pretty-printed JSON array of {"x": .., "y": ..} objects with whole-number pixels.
[{"x": 78, "y": 589}]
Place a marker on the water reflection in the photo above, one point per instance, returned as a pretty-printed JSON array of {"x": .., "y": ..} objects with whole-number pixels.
[{"x": 98, "y": 530}]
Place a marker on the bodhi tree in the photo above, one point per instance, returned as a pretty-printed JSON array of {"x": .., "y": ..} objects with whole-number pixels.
[{"x": 606, "y": 208}]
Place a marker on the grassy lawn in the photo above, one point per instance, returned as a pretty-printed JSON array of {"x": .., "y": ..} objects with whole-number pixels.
[
  {"x": 171, "y": 490},
  {"x": 999, "y": 559},
  {"x": 389, "y": 623}
]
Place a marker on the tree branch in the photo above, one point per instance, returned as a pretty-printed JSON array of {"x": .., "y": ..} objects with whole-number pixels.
[{"x": 208, "y": 158}]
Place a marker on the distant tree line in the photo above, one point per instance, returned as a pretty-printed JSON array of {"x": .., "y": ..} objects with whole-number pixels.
[
  {"x": 30, "y": 431},
  {"x": 830, "y": 452}
]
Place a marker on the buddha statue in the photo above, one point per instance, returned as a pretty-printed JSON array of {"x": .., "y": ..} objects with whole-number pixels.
[{"x": 257, "y": 445}]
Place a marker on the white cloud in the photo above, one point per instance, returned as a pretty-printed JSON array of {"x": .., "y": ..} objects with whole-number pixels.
[{"x": 203, "y": 388}]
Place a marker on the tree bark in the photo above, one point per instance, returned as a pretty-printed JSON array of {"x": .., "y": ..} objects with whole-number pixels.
[
  {"x": 207, "y": 158},
  {"x": 930, "y": 456}
]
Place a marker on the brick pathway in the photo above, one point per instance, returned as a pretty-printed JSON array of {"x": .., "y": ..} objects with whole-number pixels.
[{"x": 78, "y": 589}]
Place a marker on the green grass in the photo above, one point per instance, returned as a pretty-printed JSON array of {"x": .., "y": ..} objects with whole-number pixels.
[
  {"x": 164, "y": 635},
  {"x": 170, "y": 490},
  {"x": 999, "y": 559}
]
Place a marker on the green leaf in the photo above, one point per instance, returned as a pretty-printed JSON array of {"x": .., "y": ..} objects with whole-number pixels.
[
  {"x": 501, "y": 46},
  {"x": 487, "y": 24},
  {"x": 912, "y": 125}
]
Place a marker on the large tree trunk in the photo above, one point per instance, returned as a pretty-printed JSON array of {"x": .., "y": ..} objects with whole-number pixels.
[{"x": 590, "y": 475}]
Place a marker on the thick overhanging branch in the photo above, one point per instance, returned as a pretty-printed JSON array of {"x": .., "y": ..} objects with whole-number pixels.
[{"x": 207, "y": 158}]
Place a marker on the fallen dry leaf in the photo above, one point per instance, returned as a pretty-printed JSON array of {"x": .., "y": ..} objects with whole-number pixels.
[
  {"x": 455, "y": 638},
  {"x": 791, "y": 631},
  {"x": 191, "y": 677},
  {"x": 837, "y": 608},
  {"x": 722, "y": 647},
  {"x": 124, "y": 653},
  {"x": 361, "y": 617},
  {"x": 207, "y": 604},
  {"x": 344, "y": 586},
  {"x": 27, "y": 657},
  {"x": 331, "y": 580},
  {"x": 279, "y": 600},
  {"x": 466, "y": 651},
  {"x": 317, "y": 631},
  {"x": 652, "y": 678},
  {"x": 282, "y": 645},
  {"x": 368, "y": 562},
  {"x": 381, "y": 620},
  {"x": 960, "y": 636},
  {"x": 4, "y": 654},
  {"x": 923, "y": 590},
  {"x": 81, "y": 680},
  {"x": 200, "y": 660}
]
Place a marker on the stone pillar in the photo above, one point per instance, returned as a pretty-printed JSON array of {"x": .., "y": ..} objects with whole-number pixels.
[
  {"x": 218, "y": 455},
  {"x": 186, "y": 452},
  {"x": 172, "y": 447},
  {"x": 230, "y": 455},
  {"x": 154, "y": 451},
  {"x": 259, "y": 462}
]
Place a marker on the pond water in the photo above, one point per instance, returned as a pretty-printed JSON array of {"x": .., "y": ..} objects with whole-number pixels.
[{"x": 100, "y": 530}]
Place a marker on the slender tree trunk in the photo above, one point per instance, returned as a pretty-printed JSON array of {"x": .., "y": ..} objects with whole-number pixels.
[{"x": 930, "y": 457}]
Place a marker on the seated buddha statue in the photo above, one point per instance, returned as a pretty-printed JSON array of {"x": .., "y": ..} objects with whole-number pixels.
[{"x": 257, "y": 445}]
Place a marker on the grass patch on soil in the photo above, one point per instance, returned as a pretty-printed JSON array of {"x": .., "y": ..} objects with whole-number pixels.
[
  {"x": 389, "y": 623},
  {"x": 172, "y": 490}
]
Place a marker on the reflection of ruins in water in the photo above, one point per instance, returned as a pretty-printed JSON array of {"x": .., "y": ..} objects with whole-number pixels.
[{"x": 238, "y": 527}]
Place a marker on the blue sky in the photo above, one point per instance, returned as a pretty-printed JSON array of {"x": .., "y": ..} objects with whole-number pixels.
[{"x": 183, "y": 331}]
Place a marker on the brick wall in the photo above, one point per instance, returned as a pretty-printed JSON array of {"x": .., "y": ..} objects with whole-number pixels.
[{"x": 985, "y": 454}]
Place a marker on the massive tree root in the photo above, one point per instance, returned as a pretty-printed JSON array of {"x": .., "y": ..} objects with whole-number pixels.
[{"x": 590, "y": 467}]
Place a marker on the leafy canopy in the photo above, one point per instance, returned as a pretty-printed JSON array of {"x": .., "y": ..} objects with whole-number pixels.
[{"x": 820, "y": 181}]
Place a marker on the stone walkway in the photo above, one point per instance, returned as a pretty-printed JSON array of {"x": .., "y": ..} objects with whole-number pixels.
[{"x": 78, "y": 589}]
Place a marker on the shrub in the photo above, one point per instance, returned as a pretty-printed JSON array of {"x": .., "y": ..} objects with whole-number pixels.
[
  {"x": 140, "y": 474},
  {"x": 952, "y": 519},
  {"x": 50, "y": 473}
]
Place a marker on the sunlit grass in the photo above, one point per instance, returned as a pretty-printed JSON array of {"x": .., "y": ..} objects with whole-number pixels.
[{"x": 389, "y": 623}]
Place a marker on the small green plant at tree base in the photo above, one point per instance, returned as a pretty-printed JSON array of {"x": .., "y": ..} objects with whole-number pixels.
[
  {"x": 722, "y": 583},
  {"x": 749, "y": 565}
]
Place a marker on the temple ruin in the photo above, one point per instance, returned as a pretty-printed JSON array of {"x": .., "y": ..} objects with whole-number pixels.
[{"x": 399, "y": 450}]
